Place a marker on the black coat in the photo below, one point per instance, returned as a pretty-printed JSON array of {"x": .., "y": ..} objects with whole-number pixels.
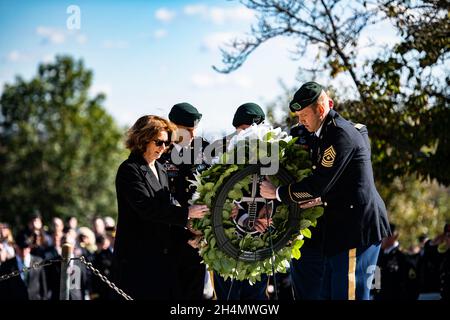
[
  {"x": 398, "y": 278},
  {"x": 355, "y": 215},
  {"x": 34, "y": 287},
  {"x": 145, "y": 252},
  {"x": 309, "y": 141}
]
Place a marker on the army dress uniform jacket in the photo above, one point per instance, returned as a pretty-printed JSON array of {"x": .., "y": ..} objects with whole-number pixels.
[
  {"x": 191, "y": 273},
  {"x": 355, "y": 215},
  {"x": 145, "y": 252},
  {"x": 180, "y": 174}
]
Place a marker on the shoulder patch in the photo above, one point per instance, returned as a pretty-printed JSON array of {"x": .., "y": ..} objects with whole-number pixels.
[{"x": 328, "y": 157}]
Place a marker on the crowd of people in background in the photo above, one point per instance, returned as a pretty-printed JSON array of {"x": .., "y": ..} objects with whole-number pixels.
[
  {"x": 38, "y": 242},
  {"x": 421, "y": 273}
]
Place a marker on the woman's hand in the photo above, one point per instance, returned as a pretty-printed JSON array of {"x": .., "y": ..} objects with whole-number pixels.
[
  {"x": 197, "y": 211},
  {"x": 195, "y": 242},
  {"x": 192, "y": 230}
]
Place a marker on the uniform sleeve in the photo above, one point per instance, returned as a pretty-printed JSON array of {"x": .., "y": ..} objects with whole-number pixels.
[
  {"x": 335, "y": 156},
  {"x": 154, "y": 208}
]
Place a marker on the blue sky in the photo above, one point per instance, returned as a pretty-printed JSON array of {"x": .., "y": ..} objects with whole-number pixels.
[{"x": 148, "y": 55}]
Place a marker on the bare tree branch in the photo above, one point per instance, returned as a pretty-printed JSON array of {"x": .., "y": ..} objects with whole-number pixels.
[{"x": 334, "y": 25}]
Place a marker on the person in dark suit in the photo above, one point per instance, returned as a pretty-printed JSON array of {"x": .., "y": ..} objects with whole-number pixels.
[
  {"x": 29, "y": 285},
  {"x": 246, "y": 114},
  {"x": 398, "y": 279},
  {"x": 355, "y": 219},
  {"x": 146, "y": 253},
  {"x": 102, "y": 261},
  {"x": 307, "y": 273},
  {"x": 445, "y": 265},
  {"x": 189, "y": 148}
]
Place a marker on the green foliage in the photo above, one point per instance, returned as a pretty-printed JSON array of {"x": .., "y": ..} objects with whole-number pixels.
[
  {"x": 59, "y": 149},
  {"x": 407, "y": 105},
  {"x": 416, "y": 207},
  {"x": 296, "y": 161}
]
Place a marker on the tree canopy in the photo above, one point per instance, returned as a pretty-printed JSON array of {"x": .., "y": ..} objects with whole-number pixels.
[{"x": 59, "y": 148}]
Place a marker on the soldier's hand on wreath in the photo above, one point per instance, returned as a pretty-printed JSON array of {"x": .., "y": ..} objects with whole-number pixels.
[
  {"x": 197, "y": 211},
  {"x": 311, "y": 203},
  {"x": 268, "y": 190},
  {"x": 234, "y": 212},
  {"x": 261, "y": 224}
]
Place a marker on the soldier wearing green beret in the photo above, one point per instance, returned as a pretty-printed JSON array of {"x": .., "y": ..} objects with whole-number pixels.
[
  {"x": 355, "y": 219},
  {"x": 189, "y": 148},
  {"x": 246, "y": 115},
  {"x": 307, "y": 273}
]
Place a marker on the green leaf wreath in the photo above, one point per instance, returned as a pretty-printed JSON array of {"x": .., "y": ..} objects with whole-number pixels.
[{"x": 296, "y": 161}]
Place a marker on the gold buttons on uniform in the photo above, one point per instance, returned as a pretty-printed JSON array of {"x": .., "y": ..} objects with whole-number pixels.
[{"x": 314, "y": 167}]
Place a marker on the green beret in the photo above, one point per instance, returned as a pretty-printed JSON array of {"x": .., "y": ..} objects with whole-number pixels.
[
  {"x": 305, "y": 96},
  {"x": 248, "y": 113},
  {"x": 184, "y": 114}
]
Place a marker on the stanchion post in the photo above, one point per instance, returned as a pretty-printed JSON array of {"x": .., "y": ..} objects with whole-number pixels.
[{"x": 67, "y": 254}]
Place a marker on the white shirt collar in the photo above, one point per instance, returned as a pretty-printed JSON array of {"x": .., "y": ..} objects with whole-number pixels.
[
  {"x": 317, "y": 133},
  {"x": 26, "y": 261}
]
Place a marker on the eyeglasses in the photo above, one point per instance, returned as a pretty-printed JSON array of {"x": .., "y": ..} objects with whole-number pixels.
[{"x": 159, "y": 143}]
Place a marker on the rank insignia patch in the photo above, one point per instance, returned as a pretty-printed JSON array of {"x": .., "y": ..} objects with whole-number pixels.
[
  {"x": 302, "y": 195},
  {"x": 328, "y": 157}
]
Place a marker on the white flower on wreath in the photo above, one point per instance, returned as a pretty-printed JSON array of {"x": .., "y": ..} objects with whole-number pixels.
[{"x": 259, "y": 132}]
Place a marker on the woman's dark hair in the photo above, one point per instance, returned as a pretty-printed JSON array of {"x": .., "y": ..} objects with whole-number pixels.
[{"x": 146, "y": 129}]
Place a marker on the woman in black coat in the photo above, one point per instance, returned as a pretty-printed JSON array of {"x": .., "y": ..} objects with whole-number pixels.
[{"x": 145, "y": 252}]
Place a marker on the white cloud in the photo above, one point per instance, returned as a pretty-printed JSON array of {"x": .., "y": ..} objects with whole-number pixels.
[
  {"x": 47, "y": 58},
  {"x": 196, "y": 9},
  {"x": 219, "y": 15},
  {"x": 164, "y": 15},
  {"x": 51, "y": 35},
  {"x": 14, "y": 56},
  {"x": 160, "y": 33},
  {"x": 202, "y": 80},
  {"x": 213, "y": 41},
  {"x": 115, "y": 44},
  {"x": 59, "y": 36},
  {"x": 243, "y": 81},
  {"x": 18, "y": 56}
]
